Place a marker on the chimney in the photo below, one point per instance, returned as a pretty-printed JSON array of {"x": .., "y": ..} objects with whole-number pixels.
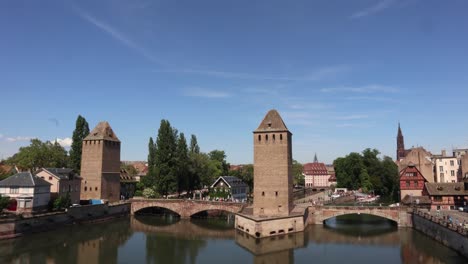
[{"x": 444, "y": 153}]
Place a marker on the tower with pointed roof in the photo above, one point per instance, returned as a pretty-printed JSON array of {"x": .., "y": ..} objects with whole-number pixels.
[
  {"x": 400, "y": 145},
  {"x": 273, "y": 181},
  {"x": 100, "y": 164},
  {"x": 315, "y": 158}
]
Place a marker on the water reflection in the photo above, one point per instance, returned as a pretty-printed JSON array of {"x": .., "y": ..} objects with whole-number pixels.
[{"x": 149, "y": 239}]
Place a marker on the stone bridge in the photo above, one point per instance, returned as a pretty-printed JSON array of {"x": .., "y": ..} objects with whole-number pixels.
[
  {"x": 186, "y": 208},
  {"x": 400, "y": 215}
]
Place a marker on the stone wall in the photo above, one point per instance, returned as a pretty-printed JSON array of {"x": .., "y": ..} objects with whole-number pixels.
[
  {"x": 453, "y": 238},
  {"x": 260, "y": 228},
  {"x": 10, "y": 228}
]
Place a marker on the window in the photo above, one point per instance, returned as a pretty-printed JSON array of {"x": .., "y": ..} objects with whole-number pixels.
[
  {"x": 266, "y": 137},
  {"x": 438, "y": 198},
  {"x": 263, "y": 193},
  {"x": 259, "y": 138},
  {"x": 407, "y": 183},
  {"x": 50, "y": 178},
  {"x": 14, "y": 190},
  {"x": 281, "y": 136},
  {"x": 452, "y": 173},
  {"x": 274, "y": 137},
  {"x": 451, "y": 163},
  {"x": 95, "y": 188},
  {"x": 441, "y": 168},
  {"x": 276, "y": 193},
  {"x": 85, "y": 188},
  {"x": 415, "y": 183}
]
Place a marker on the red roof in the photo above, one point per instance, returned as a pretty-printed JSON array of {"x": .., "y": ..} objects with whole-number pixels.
[{"x": 315, "y": 168}]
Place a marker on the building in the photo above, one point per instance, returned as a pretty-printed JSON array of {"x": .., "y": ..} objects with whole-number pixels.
[
  {"x": 401, "y": 151},
  {"x": 446, "y": 169},
  {"x": 447, "y": 196},
  {"x": 411, "y": 182},
  {"x": 100, "y": 164},
  {"x": 273, "y": 181},
  {"x": 62, "y": 181},
  {"x": 316, "y": 175},
  {"x": 422, "y": 159},
  {"x": 236, "y": 188},
  {"x": 127, "y": 184},
  {"x": 26, "y": 191}
]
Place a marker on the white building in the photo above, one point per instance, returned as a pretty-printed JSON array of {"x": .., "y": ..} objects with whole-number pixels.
[
  {"x": 446, "y": 169},
  {"x": 316, "y": 175},
  {"x": 26, "y": 191}
]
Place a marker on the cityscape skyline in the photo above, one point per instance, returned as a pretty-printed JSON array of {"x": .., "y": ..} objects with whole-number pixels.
[{"x": 341, "y": 81}]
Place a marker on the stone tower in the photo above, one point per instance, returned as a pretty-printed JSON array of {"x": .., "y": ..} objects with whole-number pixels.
[
  {"x": 273, "y": 181},
  {"x": 401, "y": 153},
  {"x": 100, "y": 164}
]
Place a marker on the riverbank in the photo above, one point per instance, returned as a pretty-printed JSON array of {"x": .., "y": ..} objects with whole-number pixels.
[
  {"x": 444, "y": 231},
  {"x": 11, "y": 228}
]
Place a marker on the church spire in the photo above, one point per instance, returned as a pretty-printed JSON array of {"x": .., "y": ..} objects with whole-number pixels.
[
  {"x": 315, "y": 158},
  {"x": 400, "y": 144}
]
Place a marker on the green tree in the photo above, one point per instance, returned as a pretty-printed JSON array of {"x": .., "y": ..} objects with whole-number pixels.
[
  {"x": 194, "y": 148},
  {"x": 245, "y": 174},
  {"x": 62, "y": 202},
  {"x": 81, "y": 131},
  {"x": 220, "y": 157},
  {"x": 130, "y": 169},
  {"x": 166, "y": 180},
  {"x": 182, "y": 164},
  {"x": 39, "y": 155},
  {"x": 4, "y": 202},
  {"x": 297, "y": 169}
]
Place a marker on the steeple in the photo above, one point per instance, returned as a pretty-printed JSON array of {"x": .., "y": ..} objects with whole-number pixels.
[
  {"x": 400, "y": 144},
  {"x": 315, "y": 158},
  {"x": 272, "y": 122}
]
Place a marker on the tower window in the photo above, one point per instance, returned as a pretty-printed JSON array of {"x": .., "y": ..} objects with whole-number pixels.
[
  {"x": 263, "y": 193},
  {"x": 259, "y": 138},
  {"x": 273, "y": 137},
  {"x": 276, "y": 193},
  {"x": 95, "y": 189},
  {"x": 281, "y": 136},
  {"x": 266, "y": 137},
  {"x": 85, "y": 188}
]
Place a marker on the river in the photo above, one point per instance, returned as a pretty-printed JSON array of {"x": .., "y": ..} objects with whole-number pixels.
[{"x": 150, "y": 239}]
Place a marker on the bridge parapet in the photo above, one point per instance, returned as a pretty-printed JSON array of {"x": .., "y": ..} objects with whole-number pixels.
[
  {"x": 186, "y": 208},
  {"x": 400, "y": 215}
]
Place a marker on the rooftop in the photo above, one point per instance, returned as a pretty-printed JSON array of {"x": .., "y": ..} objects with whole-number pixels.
[
  {"x": 102, "y": 131},
  {"x": 23, "y": 179},
  {"x": 448, "y": 188},
  {"x": 272, "y": 123}
]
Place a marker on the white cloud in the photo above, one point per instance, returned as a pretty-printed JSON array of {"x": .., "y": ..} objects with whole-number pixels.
[
  {"x": 18, "y": 139},
  {"x": 206, "y": 93},
  {"x": 66, "y": 142},
  {"x": 378, "y": 7},
  {"x": 373, "y": 88},
  {"x": 117, "y": 35},
  {"x": 352, "y": 117},
  {"x": 314, "y": 75}
]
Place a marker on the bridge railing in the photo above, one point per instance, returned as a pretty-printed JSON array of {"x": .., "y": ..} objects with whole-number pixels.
[{"x": 444, "y": 221}]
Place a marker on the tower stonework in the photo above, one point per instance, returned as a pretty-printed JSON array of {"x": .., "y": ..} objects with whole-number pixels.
[
  {"x": 100, "y": 164},
  {"x": 401, "y": 152},
  {"x": 273, "y": 181}
]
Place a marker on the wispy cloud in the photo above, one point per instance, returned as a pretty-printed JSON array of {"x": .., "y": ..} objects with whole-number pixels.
[
  {"x": 18, "y": 139},
  {"x": 362, "y": 89},
  {"x": 314, "y": 75},
  {"x": 351, "y": 117},
  {"x": 205, "y": 93},
  {"x": 378, "y": 7},
  {"x": 66, "y": 142},
  {"x": 116, "y": 34}
]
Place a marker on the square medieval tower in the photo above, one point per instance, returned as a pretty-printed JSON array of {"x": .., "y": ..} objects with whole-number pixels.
[
  {"x": 273, "y": 181},
  {"x": 100, "y": 164}
]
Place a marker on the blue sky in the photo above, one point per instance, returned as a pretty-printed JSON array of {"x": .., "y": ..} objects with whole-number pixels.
[{"x": 341, "y": 73}]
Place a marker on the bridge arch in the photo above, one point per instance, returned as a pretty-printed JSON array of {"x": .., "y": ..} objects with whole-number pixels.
[{"x": 328, "y": 213}]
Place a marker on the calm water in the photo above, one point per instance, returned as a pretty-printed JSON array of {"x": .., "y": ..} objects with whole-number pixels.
[{"x": 149, "y": 239}]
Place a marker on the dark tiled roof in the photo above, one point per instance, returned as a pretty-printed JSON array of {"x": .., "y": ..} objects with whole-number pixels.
[
  {"x": 102, "y": 131},
  {"x": 446, "y": 188},
  {"x": 422, "y": 199},
  {"x": 315, "y": 168},
  {"x": 272, "y": 122},
  {"x": 125, "y": 177},
  {"x": 23, "y": 179},
  {"x": 232, "y": 181},
  {"x": 62, "y": 173}
]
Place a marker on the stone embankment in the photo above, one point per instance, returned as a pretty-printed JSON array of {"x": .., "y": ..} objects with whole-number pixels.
[
  {"x": 14, "y": 227},
  {"x": 441, "y": 229}
]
